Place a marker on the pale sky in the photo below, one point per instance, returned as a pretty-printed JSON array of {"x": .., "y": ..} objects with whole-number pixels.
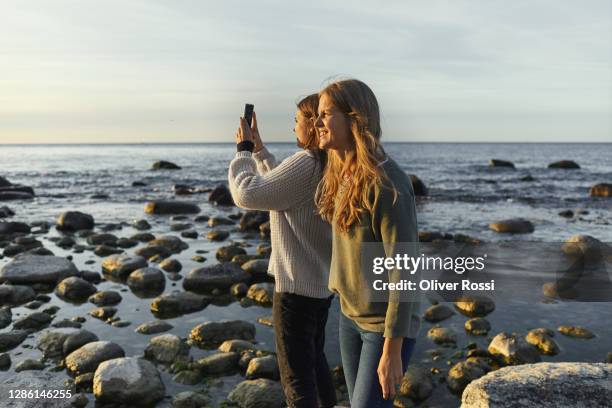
[{"x": 107, "y": 71}]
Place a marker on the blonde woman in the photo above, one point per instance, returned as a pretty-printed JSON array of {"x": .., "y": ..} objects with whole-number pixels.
[
  {"x": 367, "y": 198},
  {"x": 301, "y": 251}
]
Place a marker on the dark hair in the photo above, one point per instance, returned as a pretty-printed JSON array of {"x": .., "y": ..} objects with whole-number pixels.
[{"x": 309, "y": 107}]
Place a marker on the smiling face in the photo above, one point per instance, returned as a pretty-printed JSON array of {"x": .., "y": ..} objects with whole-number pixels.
[
  {"x": 304, "y": 130},
  {"x": 333, "y": 126}
]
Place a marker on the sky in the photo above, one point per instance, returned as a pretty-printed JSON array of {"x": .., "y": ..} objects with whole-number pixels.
[{"x": 84, "y": 71}]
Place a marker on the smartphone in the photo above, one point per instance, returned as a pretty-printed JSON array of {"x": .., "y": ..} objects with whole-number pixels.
[{"x": 248, "y": 113}]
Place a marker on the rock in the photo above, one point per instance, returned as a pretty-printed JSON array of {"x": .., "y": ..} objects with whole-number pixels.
[
  {"x": 226, "y": 253},
  {"x": 542, "y": 341},
  {"x": 178, "y": 303},
  {"x": 437, "y": 313},
  {"x": 221, "y": 196},
  {"x": 566, "y": 213},
  {"x": 474, "y": 306},
  {"x": 176, "y": 226},
  {"x": 105, "y": 298},
  {"x": 31, "y": 269},
  {"x": 51, "y": 342},
  {"x": 500, "y": 163},
  {"x": 6, "y": 316},
  {"x": 173, "y": 244},
  {"x": 29, "y": 364},
  {"x": 512, "y": 226},
  {"x": 10, "y": 340},
  {"x": 261, "y": 293},
  {"x": 211, "y": 334},
  {"x": 74, "y": 221},
  {"x": 143, "y": 237},
  {"x": 219, "y": 276},
  {"x": 14, "y": 193},
  {"x": 131, "y": 381},
  {"x": 545, "y": 385},
  {"x": 121, "y": 266},
  {"x": 4, "y": 182},
  {"x": 166, "y": 207},
  {"x": 87, "y": 358},
  {"x": 219, "y": 363},
  {"x": 171, "y": 265},
  {"x": 217, "y": 235},
  {"x": 104, "y": 250},
  {"x": 35, "y": 380},
  {"x": 442, "y": 335},
  {"x": 601, "y": 190},
  {"x": 5, "y": 361},
  {"x": 166, "y": 348},
  {"x": 564, "y": 164},
  {"x": 141, "y": 225},
  {"x": 76, "y": 340},
  {"x": 264, "y": 230},
  {"x": 154, "y": 327},
  {"x": 14, "y": 227},
  {"x": 579, "y": 245},
  {"x": 260, "y": 393},
  {"x": 264, "y": 250},
  {"x": 164, "y": 165},
  {"x": 189, "y": 399},
  {"x": 75, "y": 289},
  {"x": 513, "y": 350},
  {"x": 417, "y": 383},
  {"x": 102, "y": 239},
  {"x": 103, "y": 313},
  {"x": 252, "y": 219},
  {"x": 266, "y": 320},
  {"x": 418, "y": 186},
  {"x": 263, "y": 367},
  {"x": 34, "y": 321},
  {"x": 216, "y": 221},
  {"x": 478, "y": 326},
  {"x": 257, "y": 268},
  {"x": 188, "y": 377},
  {"x": 239, "y": 289},
  {"x": 146, "y": 278},
  {"x": 153, "y": 252},
  {"x": 15, "y": 295},
  {"x": 463, "y": 373},
  {"x": 576, "y": 332},
  {"x": 191, "y": 234},
  {"x": 236, "y": 346}
]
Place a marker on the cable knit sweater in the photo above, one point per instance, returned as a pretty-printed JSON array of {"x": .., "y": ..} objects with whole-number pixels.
[{"x": 301, "y": 239}]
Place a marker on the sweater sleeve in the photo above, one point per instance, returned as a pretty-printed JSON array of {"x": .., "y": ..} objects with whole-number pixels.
[
  {"x": 265, "y": 160},
  {"x": 395, "y": 224},
  {"x": 290, "y": 184}
]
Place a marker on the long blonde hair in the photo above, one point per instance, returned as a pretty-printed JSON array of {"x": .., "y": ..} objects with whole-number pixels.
[{"x": 357, "y": 101}]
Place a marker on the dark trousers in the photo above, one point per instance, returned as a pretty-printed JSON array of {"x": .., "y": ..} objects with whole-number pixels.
[{"x": 299, "y": 328}]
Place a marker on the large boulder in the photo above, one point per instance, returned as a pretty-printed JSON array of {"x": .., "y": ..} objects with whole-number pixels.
[
  {"x": 221, "y": 195},
  {"x": 601, "y": 190},
  {"x": 512, "y": 226},
  {"x": 87, "y": 358},
  {"x": 542, "y": 385},
  {"x": 75, "y": 289},
  {"x": 177, "y": 303},
  {"x": 219, "y": 276},
  {"x": 121, "y": 266},
  {"x": 165, "y": 207},
  {"x": 259, "y": 393},
  {"x": 28, "y": 269},
  {"x": 129, "y": 381},
  {"x": 74, "y": 221},
  {"x": 212, "y": 334}
]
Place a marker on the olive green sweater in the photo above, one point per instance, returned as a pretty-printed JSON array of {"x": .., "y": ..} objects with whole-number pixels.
[{"x": 388, "y": 223}]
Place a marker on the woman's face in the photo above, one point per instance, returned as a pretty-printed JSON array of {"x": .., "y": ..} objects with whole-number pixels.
[
  {"x": 303, "y": 129},
  {"x": 332, "y": 126}
]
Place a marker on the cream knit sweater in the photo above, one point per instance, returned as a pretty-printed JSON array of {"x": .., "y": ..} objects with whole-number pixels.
[{"x": 301, "y": 240}]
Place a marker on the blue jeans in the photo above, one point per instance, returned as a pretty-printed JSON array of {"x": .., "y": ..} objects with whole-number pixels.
[{"x": 361, "y": 351}]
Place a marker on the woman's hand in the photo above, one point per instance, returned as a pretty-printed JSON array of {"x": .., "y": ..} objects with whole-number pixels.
[
  {"x": 244, "y": 132},
  {"x": 390, "y": 366},
  {"x": 256, "y": 136}
]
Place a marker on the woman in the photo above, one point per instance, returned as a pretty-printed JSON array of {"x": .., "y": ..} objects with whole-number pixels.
[
  {"x": 368, "y": 199},
  {"x": 301, "y": 251}
]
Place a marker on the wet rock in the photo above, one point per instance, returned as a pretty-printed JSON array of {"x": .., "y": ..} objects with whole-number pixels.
[
  {"x": 31, "y": 269},
  {"x": 540, "y": 339},
  {"x": 74, "y": 221},
  {"x": 579, "y": 245},
  {"x": 121, "y": 266},
  {"x": 266, "y": 320},
  {"x": 418, "y": 186},
  {"x": 51, "y": 342},
  {"x": 264, "y": 230},
  {"x": 239, "y": 289},
  {"x": 6, "y": 212},
  {"x": 141, "y": 225},
  {"x": 10, "y": 340},
  {"x": 173, "y": 244},
  {"x": 16, "y": 295},
  {"x": 87, "y": 358},
  {"x": 221, "y": 196},
  {"x": 5, "y": 361},
  {"x": 264, "y": 250},
  {"x": 6, "y": 316},
  {"x": 143, "y": 237},
  {"x": 178, "y": 303},
  {"x": 198, "y": 258},
  {"x": 34, "y": 321},
  {"x": 257, "y": 268},
  {"x": 220, "y": 276},
  {"x": 180, "y": 226},
  {"x": 542, "y": 385},
  {"x": 474, "y": 306},
  {"x": 153, "y": 252},
  {"x": 513, "y": 226},
  {"x": 417, "y": 383},
  {"x": 261, "y": 293},
  {"x": 164, "y": 165},
  {"x": 76, "y": 340},
  {"x": 564, "y": 164},
  {"x": 478, "y": 326},
  {"x": 191, "y": 234},
  {"x": 105, "y": 250},
  {"x": 188, "y": 377},
  {"x": 463, "y": 373},
  {"x": 162, "y": 207},
  {"x": 14, "y": 227},
  {"x": 29, "y": 364},
  {"x": 263, "y": 367},
  {"x": 219, "y": 363},
  {"x": 189, "y": 399},
  {"x": 211, "y": 334},
  {"x": 437, "y": 313},
  {"x": 14, "y": 193},
  {"x": 576, "y": 331},
  {"x": 216, "y": 221},
  {"x": 102, "y": 239},
  {"x": 130, "y": 381},
  {"x": 84, "y": 382},
  {"x": 154, "y": 327},
  {"x": 103, "y": 313},
  {"x": 171, "y": 265},
  {"x": 252, "y": 219},
  {"x": 260, "y": 393},
  {"x": 236, "y": 346},
  {"x": 513, "y": 350},
  {"x": 226, "y": 253},
  {"x": 500, "y": 163},
  {"x": 566, "y": 214},
  {"x": 146, "y": 278},
  {"x": 601, "y": 190},
  {"x": 442, "y": 336},
  {"x": 166, "y": 348},
  {"x": 217, "y": 235},
  {"x": 75, "y": 289},
  {"x": 105, "y": 298}
]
